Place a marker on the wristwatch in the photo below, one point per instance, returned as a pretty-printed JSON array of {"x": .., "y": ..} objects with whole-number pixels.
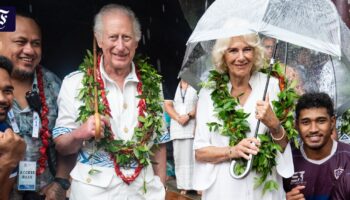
[{"x": 64, "y": 183}]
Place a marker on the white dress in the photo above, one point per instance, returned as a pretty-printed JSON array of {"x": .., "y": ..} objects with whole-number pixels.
[
  {"x": 214, "y": 179},
  {"x": 182, "y": 136}
]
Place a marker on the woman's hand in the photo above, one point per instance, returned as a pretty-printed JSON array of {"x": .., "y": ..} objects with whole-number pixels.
[
  {"x": 265, "y": 114},
  {"x": 245, "y": 148}
]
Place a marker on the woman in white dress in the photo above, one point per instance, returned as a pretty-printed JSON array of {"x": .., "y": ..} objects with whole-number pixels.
[
  {"x": 239, "y": 58},
  {"x": 182, "y": 111}
]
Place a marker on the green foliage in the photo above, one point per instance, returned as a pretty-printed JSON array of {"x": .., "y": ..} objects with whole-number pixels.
[
  {"x": 345, "y": 124},
  {"x": 137, "y": 149},
  {"x": 235, "y": 125}
]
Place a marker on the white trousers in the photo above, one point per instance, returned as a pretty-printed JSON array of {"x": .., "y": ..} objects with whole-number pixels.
[{"x": 107, "y": 185}]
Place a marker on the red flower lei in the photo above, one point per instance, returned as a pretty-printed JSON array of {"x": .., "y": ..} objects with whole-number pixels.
[
  {"x": 107, "y": 111},
  {"x": 44, "y": 131}
]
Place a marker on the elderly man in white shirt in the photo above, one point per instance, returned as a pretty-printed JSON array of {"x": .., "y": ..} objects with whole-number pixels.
[{"x": 106, "y": 173}]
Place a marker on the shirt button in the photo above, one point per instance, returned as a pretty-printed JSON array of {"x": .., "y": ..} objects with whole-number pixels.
[
  {"x": 125, "y": 106},
  {"x": 126, "y": 130}
]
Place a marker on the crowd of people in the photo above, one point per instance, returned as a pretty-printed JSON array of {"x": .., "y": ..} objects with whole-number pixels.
[{"x": 104, "y": 138}]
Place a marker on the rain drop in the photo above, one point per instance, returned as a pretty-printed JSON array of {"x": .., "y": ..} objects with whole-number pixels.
[
  {"x": 143, "y": 39},
  {"x": 148, "y": 34},
  {"x": 158, "y": 65},
  {"x": 163, "y": 8}
]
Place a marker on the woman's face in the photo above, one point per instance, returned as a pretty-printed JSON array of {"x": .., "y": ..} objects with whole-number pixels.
[{"x": 239, "y": 58}]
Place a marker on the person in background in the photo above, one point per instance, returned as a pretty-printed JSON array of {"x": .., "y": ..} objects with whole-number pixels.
[
  {"x": 291, "y": 74},
  {"x": 12, "y": 146},
  {"x": 182, "y": 110},
  {"x": 34, "y": 112},
  {"x": 321, "y": 161}
]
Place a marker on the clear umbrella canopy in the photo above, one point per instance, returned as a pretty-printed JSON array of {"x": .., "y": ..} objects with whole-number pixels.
[{"x": 312, "y": 26}]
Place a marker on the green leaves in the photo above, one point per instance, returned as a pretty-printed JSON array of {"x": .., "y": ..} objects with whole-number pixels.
[
  {"x": 233, "y": 123},
  {"x": 136, "y": 149}
]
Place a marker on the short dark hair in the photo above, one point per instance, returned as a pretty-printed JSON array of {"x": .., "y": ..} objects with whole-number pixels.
[
  {"x": 6, "y": 64},
  {"x": 314, "y": 100}
]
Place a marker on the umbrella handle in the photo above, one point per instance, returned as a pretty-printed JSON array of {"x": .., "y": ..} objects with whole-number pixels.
[{"x": 246, "y": 170}]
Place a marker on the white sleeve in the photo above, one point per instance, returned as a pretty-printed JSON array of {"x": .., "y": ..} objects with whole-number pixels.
[
  {"x": 205, "y": 173},
  {"x": 68, "y": 105}
]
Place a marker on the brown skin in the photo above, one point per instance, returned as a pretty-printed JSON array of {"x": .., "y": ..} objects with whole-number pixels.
[
  {"x": 23, "y": 48},
  {"x": 12, "y": 146},
  {"x": 315, "y": 128}
]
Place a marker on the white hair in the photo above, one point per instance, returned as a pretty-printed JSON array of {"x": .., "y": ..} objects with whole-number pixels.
[{"x": 98, "y": 25}]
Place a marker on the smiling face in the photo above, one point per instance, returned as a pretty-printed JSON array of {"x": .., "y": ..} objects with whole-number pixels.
[
  {"x": 315, "y": 127},
  {"x": 117, "y": 41},
  {"x": 22, "y": 47},
  {"x": 6, "y": 94},
  {"x": 239, "y": 58}
]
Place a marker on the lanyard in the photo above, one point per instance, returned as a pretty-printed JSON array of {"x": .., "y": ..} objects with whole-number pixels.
[
  {"x": 36, "y": 123},
  {"x": 183, "y": 95}
]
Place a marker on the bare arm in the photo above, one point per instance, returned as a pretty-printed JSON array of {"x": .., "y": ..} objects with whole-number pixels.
[
  {"x": 65, "y": 165},
  {"x": 265, "y": 113},
  {"x": 159, "y": 166},
  {"x": 215, "y": 155},
  {"x": 71, "y": 143},
  {"x": 12, "y": 148},
  {"x": 169, "y": 108}
]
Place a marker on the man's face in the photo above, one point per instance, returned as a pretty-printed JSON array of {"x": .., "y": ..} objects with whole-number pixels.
[
  {"x": 315, "y": 128},
  {"x": 269, "y": 44},
  {"x": 6, "y": 94},
  {"x": 117, "y": 41},
  {"x": 22, "y": 47}
]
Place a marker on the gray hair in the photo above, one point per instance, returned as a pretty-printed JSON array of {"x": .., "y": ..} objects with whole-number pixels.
[
  {"x": 221, "y": 45},
  {"x": 98, "y": 25}
]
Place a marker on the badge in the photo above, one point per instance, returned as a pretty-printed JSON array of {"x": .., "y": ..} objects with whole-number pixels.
[
  {"x": 36, "y": 124},
  {"x": 13, "y": 122},
  {"x": 27, "y": 176}
]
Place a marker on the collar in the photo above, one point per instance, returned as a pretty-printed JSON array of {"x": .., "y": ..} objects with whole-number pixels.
[
  {"x": 252, "y": 81},
  {"x": 131, "y": 77},
  {"x": 318, "y": 162}
]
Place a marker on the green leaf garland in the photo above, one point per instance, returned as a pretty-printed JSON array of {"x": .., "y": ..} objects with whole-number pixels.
[{"x": 235, "y": 125}]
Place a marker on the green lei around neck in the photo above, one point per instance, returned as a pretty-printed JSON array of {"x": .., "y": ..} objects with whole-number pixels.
[
  {"x": 235, "y": 125},
  {"x": 136, "y": 149}
]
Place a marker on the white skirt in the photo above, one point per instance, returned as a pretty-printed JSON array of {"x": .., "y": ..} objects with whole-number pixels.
[{"x": 184, "y": 160}]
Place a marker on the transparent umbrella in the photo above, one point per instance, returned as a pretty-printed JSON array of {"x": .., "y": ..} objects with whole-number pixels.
[{"x": 313, "y": 25}]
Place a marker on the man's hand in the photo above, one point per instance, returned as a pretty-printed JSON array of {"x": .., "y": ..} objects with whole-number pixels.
[
  {"x": 87, "y": 130},
  {"x": 53, "y": 191},
  {"x": 295, "y": 193},
  {"x": 12, "y": 148}
]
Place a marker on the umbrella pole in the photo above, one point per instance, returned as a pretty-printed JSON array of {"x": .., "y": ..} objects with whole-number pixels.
[
  {"x": 250, "y": 161},
  {"x": 272, "y": 62},
  {"x": 335, "y": 87},
  {"x": 285, "y": 58}
]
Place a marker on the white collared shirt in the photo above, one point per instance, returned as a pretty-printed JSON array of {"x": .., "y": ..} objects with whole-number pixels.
[{"x": 123, "y": 105}]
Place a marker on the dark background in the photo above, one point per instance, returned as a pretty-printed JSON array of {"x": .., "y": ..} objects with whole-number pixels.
[{"x": 67, "y": 31}]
